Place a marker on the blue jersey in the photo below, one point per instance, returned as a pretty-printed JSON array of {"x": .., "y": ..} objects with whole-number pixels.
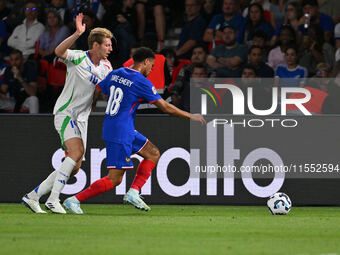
[
  {"x": 294, "y": 77},
  {"x": 126, "y": 89}
]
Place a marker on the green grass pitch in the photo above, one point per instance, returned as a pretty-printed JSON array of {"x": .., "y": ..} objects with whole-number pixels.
[{"x": 121, "y": 229}]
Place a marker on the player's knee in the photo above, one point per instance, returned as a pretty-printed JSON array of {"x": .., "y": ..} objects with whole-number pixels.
[
  {"x": 155, "y": 154},
  {"x": 77, "y": 153},
  {"x": 116, "y": 180}
]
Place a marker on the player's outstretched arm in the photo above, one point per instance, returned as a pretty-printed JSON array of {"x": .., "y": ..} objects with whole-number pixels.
[
  {"x": 173, "y": 110},
  {"x": 61, "y": 50}
]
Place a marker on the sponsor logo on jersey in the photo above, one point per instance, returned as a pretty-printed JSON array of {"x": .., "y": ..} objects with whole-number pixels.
[{"x": 154, "y": 90}]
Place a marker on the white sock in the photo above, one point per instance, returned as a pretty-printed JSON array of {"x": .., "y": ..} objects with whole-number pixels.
[
  {"x": 62, "y": 176},
  {"x": 134, "y": 191},
  {"x": 44, "y": 187}
]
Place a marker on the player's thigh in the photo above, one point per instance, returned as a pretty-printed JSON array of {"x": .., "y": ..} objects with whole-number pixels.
[
  {"x": 139, "y": 142},
  {"x": 143, "y": 147},
  {"x": 70, "y": 136},
  {"x": 82, "y": 127},
  {"x": 118, "y": 155}
]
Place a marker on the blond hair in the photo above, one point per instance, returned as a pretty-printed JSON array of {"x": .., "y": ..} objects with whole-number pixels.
[{"x": 98, "y": 35}]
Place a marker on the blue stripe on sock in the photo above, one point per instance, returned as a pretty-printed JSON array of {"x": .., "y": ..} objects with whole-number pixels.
[{"x": 36, "y": 189}]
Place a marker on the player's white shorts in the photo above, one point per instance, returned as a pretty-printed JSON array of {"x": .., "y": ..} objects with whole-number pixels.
[{"x": 69, "y": 128}]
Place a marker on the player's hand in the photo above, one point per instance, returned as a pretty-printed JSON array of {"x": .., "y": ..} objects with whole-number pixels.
[
  {"x": 79, "y": 24},
  {"x": 198, "y": 117}
]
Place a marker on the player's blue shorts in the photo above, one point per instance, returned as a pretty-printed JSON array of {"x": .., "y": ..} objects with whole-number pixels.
[{"x": 118, "y": 154}]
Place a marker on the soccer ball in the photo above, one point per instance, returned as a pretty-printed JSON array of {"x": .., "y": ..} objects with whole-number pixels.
[{"x": 279, "y": 204}]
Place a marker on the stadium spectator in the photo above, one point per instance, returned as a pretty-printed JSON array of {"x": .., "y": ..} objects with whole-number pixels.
[
  {"x": 198, "y": 71},
  {"x": 209, "y": 10},
  {"x": 248, "y": 72},
  {"x": 19, "y": 87},
  {"x": 91, "y": 21},
  {"x": 230, "y": 15},
  {"x": 60, "y": 7},
  {"x": 133, "y": 48},
  {"x": 337, "y": 42},
  {"x": 55, "y": 34},
  {"x": 255, "y": 22},
  {"x": 77, "y": 6},
  {"x": 323, "y": 70},
  {"x": 228, "y": 58},
  {"x": 311, "y": 8},
  {"x": 324, "y": 94},
  {"x": 243, "y": 5},
  {"x": 17, "y": 14},
  {"x": 4, "y": 10},
  {"x": 143, "y": 8},
  {"x": 159, "y": 73},
  {"x": 3, "y": 38},
  {"x": 193, "y": 29},
  {"x": 267, "y": 10},
  {"x": 332, "y": 102},
  {"x": 3, "y": 66},
  {"x": 293, "y": 15},
  {"x": 277, "y": 8},
  {"x": 255, "y": 58},
  {"x": 25, "y": 35},
  {"x": 171, "y": 58},
  {"x": 259, "y": 39},
  {"x": 331, "y": 8},
  {"x": 261, "y": 88},
  {"x": 315, "y": 50},
  {"x": 121, "y": 19},
  {"x": 276, "y": 55},
  {"x": 199, "y": 56},
  {"x": 291, "y": 74}
]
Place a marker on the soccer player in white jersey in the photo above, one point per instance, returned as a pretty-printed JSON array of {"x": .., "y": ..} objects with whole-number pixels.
[{"x": 84, "y": 70}]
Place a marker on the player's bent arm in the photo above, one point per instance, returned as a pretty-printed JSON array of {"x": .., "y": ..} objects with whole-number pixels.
[
  {"x": 173, "y": 110},
  {"x": 61, "y": 49}
]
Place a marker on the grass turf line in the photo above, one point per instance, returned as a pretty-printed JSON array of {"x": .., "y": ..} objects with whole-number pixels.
[{"x": 121, "y": 229}]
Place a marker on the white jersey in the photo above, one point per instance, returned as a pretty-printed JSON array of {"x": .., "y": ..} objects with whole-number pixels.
[{"x": 81, "y": 80}]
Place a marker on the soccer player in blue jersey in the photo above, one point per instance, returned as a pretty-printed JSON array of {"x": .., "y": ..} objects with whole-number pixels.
[{"x": 126, "y": 89}]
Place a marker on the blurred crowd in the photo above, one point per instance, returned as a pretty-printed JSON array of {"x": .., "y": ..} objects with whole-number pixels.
[{"x": 248, "y": 39}]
